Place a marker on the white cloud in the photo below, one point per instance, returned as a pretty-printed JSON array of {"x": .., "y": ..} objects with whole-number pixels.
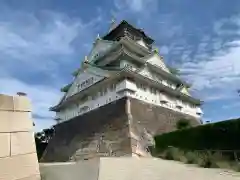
[
  {"x": 32, "y": 43},
  {"x": 42, "y": 37},
  {"x": 219, "y": 77},
  {"x": 142, "y": 8},
  {"x": 164, "y": 50},
  {"x": 41, "y": 97},
  {"x": 232, "y": 105},
  {"x": 222, "y": 27},
  {"x": 44, "y": 41}
]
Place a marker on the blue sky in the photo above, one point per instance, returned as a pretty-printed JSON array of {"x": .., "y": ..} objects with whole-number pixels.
[{"x": 43, "y": 41}]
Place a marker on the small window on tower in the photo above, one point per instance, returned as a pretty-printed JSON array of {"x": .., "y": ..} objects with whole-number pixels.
[
  {"x": 96, "y": 55},
  {"x": 104, "y": 91},
  {"x": 144, "y": 88}
]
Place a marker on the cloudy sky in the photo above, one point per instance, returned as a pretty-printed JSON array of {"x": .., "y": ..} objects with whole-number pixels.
[{"x": 43, "y": 41}]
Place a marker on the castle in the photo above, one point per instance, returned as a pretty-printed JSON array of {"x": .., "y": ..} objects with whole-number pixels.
[{"x": 121, "y": 97}]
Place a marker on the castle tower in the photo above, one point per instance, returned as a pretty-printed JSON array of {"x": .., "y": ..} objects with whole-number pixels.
[{"x": 121, "y": 97}]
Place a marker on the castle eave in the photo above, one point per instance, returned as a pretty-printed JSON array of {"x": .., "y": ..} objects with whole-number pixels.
[
  {"x": 125, "y": 45},
  {"x": 167, "y": 75},
  {"x": 167, "y": 89}
]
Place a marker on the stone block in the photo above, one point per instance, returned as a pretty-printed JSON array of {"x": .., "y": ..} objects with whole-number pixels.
[
  {"x": 4, "y": 144},
  {"x": 15, "y": 121},
  {"x": 34, "y": 177},
  {"x": 22, "y": 103},
  {"x": 21, "y": 121},
  {"x": 6, "y": 103},
  {"x": 5, "y": 121},
  {"x": 19, "y": 167},
  {"x": 22, "y": 143}
]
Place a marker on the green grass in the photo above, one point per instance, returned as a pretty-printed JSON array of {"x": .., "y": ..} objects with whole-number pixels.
[{"x": 205, "y": 159}]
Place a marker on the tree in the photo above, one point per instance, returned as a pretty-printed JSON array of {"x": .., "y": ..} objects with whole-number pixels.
[
  {"x": 41, "y": 139},
  {"x": 183, "y": 124}
]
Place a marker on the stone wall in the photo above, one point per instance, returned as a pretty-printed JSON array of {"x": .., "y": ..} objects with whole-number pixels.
[
  {"x": 101, "y": 132},
  {"x": 122, "y": 128},
  {"x": 157, "y": 119},
  {"x": 18, "y": 159},
  {"x": 147, "y": 120}
]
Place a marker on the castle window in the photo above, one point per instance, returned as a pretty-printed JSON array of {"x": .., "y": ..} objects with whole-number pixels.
[
  {"x": 142, "y": 86},
  {"x": 112, "y": 87},
  {"x": 95, "y": 56},
  {"x": 104, "y": 91},
  {"x": 192, "y": 105},
  {"x": 153, "y": 90},
  {"x": 94, "y": 97},
  {"x": 78, "y": 86}
]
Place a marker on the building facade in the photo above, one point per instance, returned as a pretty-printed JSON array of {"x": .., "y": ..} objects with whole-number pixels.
[{"x": 124, "y": 68}]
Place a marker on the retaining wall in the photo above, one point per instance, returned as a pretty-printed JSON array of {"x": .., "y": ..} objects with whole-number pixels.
[{"x": 18, "y": 159}]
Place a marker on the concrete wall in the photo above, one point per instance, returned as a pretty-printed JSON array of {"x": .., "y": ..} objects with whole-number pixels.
[{"x": 18, "y": 159}]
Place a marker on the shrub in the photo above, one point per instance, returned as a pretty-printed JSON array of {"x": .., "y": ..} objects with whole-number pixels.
[
  {"x": 213, "y": 136},
  {"x": 170, "y": 153},
  {"x": 223, "y": 164},
  {"x": 236, "y": 166},
  {"x": 205, "y": 160},
  {"x": 191, "y": 157}
]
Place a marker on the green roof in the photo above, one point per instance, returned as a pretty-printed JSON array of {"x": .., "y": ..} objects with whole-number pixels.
[
  {"x": 66, "y": 88},
  {"x": 75, "y": 73}
]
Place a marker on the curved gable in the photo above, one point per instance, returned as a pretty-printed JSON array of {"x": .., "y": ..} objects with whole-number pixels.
[
  {"x": 100, "y": 47},
  {"x": 158, "y": 61}
]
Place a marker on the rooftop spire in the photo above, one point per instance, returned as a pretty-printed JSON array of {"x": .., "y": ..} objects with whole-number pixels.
[
  {"x": 98, "y": 37},
  {"x": 113, "y": 24}
]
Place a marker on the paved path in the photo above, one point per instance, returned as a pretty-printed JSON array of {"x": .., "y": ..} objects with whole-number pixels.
[
  {"x": 133, "y": 169},
  {"x": 158, "y": 169}
]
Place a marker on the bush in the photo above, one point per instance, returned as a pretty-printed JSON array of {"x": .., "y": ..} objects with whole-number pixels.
[
  {"x": 171, "y": 153},
  {"x": 206, "y": 160},
  {"x": 223, "y": 164},
  {"x": 236, "y": 166},
  {"x": 191, "y": 157},
  {"x": 215, "y": 136}
]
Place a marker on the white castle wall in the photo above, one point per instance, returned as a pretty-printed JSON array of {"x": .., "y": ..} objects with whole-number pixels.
[{"x": 130, "y": 89}]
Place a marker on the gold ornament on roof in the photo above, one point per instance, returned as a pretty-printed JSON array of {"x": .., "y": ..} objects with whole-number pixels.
[
  {"x": 85, "y": 59},
  {"x": 113, "y": 24},
  {"x": 156, "y": 50},
  {"x": 98, "y": 37},
  {"x": 113, "y": 20}
]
